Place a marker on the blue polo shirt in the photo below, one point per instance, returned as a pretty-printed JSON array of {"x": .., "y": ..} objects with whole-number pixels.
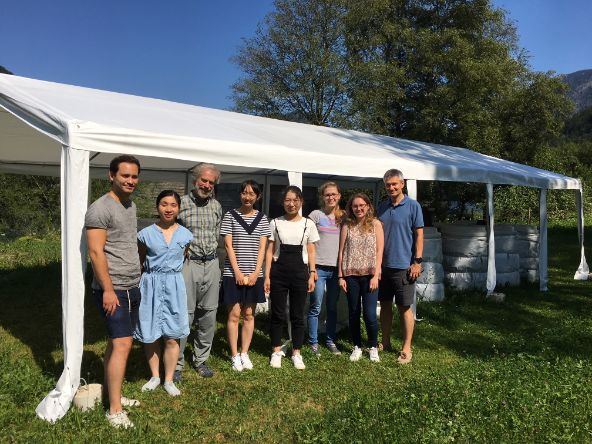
[{"x": 399, "y": 223}]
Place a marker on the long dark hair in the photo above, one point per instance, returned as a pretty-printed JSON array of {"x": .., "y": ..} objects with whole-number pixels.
[{"x": 292, "y": 189}]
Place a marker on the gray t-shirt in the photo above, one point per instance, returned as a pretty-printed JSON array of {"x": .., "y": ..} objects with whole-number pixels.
[
  {"x": 328, "y": 245},
  {"x": 121, "y": 247}
]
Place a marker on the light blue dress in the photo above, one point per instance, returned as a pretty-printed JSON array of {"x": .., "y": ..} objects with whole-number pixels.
[{"x": 163, "y": 310}]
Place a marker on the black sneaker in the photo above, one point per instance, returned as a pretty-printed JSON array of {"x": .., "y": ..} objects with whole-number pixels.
[{"x": 204, "y": 371}]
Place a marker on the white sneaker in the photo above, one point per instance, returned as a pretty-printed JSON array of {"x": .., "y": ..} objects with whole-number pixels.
[
  {"x": 247, "y": 364},
  {"x": 276, "y": 359},
  {"x": 119, "y": 420},
  {"x": 237, "y": 364},
  {"x": 374, "y": 354},
  {"x": 298, "y": 362},
  {"x": 356, "y": 354}
]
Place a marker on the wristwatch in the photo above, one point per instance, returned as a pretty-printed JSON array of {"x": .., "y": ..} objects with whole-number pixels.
[{"x": 418, "y": 260}]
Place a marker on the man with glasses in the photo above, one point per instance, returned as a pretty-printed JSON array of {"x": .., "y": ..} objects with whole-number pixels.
[
  {"x": 201, "y": 213},
  {"x": 402, "y": 219}
]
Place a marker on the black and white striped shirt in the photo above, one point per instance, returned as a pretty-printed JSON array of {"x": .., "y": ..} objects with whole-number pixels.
[{"x": 246, "y": 246}]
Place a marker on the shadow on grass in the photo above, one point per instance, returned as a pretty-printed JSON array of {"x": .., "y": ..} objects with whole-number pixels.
[
  {"x": 548, "y": 324},
  {"x": 552, "y": 323}
]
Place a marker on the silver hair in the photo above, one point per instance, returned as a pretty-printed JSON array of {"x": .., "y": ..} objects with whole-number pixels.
[
  {"x": 392, "y": 173},
  {"x": 198, "y": 169}
]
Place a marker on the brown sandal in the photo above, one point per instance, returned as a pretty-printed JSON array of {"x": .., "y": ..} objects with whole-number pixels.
[{"x": 404, "y": 358}]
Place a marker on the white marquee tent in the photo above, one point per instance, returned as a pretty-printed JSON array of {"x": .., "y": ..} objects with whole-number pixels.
[{"x": 56, "y": 129}]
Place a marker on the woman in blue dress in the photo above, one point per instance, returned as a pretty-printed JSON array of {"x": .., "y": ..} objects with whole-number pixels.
[{"x": 163, "y": 310}]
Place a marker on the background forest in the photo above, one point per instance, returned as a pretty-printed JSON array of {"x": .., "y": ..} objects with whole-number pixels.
[{"x": 447, "y": 72}]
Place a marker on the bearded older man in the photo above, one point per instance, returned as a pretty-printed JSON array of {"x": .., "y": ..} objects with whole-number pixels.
[{"x": 201, "y": 213}]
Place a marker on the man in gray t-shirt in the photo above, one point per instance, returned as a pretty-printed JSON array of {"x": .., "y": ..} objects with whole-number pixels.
[{"x": 111, "y": 233}]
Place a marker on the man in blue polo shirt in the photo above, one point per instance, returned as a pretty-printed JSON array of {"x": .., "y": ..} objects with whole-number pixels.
[{"x": 401, "y": 265}]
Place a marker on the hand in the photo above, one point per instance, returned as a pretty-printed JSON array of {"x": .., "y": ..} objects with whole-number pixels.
[
  {"x": 253, "y": 279},
  {"x": 374, "y": 283},
  {"x": 311, "y": 282},
  {"x": 110, "y": 302},
  {"x": 239, "y": 278},
  {"x": 343, "y": 284},
  {"x": 414, "y": 271},
  {"x": 267, "y": 285}
]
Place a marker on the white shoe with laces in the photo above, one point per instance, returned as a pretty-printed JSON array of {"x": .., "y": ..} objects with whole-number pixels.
[
  {"x": 119, "y": 420},
  {"x": 276, "y": 359},
  {"x": 298, "y": 362},
  {"x": 374, "y": 354},
  {"x": 247, "y": 364},
  {"x": 237, "y": 364},
  {"x": 356, "y": 354}
]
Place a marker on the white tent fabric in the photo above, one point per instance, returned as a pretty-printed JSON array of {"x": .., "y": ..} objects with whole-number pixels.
[{"x": 38, "y": 118}]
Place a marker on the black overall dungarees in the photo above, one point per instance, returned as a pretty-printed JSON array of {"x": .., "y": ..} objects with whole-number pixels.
[{"x": 288, "y": 276}]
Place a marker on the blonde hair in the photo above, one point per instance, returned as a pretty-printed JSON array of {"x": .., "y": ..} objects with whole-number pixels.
[
  {"x": 339, "y": 213},
  {"x": 351, "y": 221}
]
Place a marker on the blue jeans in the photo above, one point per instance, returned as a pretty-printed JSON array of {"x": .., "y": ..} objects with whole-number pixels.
[
  {"x": 326, "y": 278},
  {"x": 358, "y": 294}
]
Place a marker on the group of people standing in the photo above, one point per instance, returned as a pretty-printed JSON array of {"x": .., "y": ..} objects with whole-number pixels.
[{"x": 157, "y": 284}]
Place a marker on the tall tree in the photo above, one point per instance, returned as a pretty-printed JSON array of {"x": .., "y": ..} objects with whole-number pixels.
[
  {"x": 294, "y": 67},
  {"x": 448, "y": 71}
]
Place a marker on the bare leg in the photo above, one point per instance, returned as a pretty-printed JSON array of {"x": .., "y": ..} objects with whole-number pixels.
[
  {"x": 386, "y": 323},
  {"x": 171, "y": 353},
  {"x": 407, "y": 325},
  {"x": 234, "y": 312},
  {"x": 248, "y": 327},
  {"x": 116, "y": 355},
  {"x": 153, "y": 355}
]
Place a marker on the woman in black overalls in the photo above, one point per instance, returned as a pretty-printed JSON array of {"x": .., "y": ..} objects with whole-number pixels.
[{"x": 289, "y": 274}]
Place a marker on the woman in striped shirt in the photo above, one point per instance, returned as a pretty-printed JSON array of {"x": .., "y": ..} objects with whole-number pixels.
[{"x": 245, "y": 232}]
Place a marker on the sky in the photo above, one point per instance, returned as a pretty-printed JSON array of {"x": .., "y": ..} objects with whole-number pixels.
[{"x": 180, "y": 50}]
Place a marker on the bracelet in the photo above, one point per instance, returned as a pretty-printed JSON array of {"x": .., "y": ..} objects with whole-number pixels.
[
  {"x": 340, "y": 277},
  {"x": 312, "y": 271}
]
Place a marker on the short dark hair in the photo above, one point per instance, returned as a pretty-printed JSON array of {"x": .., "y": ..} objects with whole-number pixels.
[
  {"x": 292, "y": 189},
  {"x": 168, "y": 193},
  {"x": 124, "y": 158},
  {"x": 254, "y": 186}
]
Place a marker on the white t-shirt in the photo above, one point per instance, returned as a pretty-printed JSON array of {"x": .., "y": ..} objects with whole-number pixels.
[{"x": 291, "y": 234}]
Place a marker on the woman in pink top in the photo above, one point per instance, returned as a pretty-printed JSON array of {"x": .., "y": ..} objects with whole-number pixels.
[{"x": 361, "y": 244}]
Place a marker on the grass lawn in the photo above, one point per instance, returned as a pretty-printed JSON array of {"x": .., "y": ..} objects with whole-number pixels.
[{"x": 482, "y": 372}]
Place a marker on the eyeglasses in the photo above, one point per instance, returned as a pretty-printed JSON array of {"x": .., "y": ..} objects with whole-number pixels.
[
  {"x": 291, "y": 201},
  {"x": 360, "y": 206},
  {"x": 248, "y": 194},
  {"x": 331, "y": 195}
]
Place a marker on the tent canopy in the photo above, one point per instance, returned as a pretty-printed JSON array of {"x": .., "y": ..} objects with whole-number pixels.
[
  {"x": 174, "y": 137},
  {"x": 56, "y": 129}
]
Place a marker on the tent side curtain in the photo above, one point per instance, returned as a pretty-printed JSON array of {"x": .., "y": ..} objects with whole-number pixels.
[
  {"x": 583, "y": 272},
  {"x": 74, "y": 200}
]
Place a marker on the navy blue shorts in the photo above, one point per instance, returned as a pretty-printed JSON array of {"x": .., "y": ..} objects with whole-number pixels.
[
  {"x": 122, "y": 323},
  {"x": 395, "y": 284},
  {"x": 242, "y": 294}
]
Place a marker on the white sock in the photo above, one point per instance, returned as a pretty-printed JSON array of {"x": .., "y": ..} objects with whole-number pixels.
[
  {"x": 171, "y": 389},
  {"x": 152, "y": 384}
]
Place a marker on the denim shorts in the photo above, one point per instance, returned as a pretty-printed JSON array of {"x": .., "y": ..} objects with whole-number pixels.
[{"x": 123, "y": 321}]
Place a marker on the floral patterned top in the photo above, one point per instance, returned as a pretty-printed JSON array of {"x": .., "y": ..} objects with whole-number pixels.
[{"x": 359, "y": 252}]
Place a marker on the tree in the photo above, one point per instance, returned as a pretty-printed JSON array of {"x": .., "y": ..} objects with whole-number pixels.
[
  {"x": 449, "y": 71},
  {"x": 294, "y": 68}
]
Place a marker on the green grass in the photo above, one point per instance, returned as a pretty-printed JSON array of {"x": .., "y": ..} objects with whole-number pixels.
[{"x": 482, "y": 372}]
